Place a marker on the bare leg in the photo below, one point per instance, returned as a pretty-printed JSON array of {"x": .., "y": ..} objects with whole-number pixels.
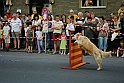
[
  {"x": 31, "y": 48},
  {"x": 59, "y": 44},
  {"x": 104, "y": 50},
  {"x": 55, "y": 46},
  {"x": 64, "y": 52},
  {"x": 117, "y": 53},
  {"x": 2, "y": 44},
  {"x": 15, "y": 43},
  {"x": 18, "y": 42},
  {"x": 28, "y": 49}
]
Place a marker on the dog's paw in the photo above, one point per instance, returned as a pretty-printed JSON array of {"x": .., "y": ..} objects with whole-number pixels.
[
  {"x": 75, "y": 42},
  {"x": 98, "y": 69}
]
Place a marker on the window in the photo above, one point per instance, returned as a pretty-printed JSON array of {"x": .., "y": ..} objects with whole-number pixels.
[{"x": 93, "y": 4}]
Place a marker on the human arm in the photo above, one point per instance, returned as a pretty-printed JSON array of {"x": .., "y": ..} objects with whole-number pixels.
[
  {"x": 20, "y": 25},
  {"x": 33, "y": 35},
  {"x": 70, "y": 28},
  {"x": 116, "y": 29}
]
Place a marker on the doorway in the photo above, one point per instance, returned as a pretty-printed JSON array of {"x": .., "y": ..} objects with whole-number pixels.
[
  {"x": 2, "y": 12},
  {"x": 37, "y": 4}
]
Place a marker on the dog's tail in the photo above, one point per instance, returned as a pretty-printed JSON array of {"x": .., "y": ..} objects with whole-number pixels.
[{"x": 106, "y": 54}]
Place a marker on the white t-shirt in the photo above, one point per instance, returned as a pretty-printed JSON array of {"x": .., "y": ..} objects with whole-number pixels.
[
  {"x": 6, "y": 29},
  {"x": 57, "y": 24},
  {"x": 36, "y": 22},
  {"x": 39, "y": 34},
  {"x": 69, "y": 26},
  {"x": 26, "y": 29},
  {"x": 15, "y": 25},
  {"x": 106, "y": 26}
]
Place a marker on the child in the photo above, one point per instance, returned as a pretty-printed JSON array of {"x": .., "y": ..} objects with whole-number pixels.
[
  {"x": 26, "y": 27},
  {"x": 1, "y": 37},
  {"x": 6, "y": 34},
  {"x": 69, "y": 27},
  {"x": 63, "y": 43},
  {"x": 121, "y": 48},
  {"x": 39, "y": 36},
  {"x": 30, "y": 38}
]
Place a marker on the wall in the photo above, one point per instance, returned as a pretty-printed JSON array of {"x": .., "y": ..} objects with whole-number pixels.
[
  {"x": 19, "y": 4},
  {"x": 63, "y": 6}
]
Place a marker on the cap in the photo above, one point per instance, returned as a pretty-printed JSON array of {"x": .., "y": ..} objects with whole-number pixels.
[{"x": 71, "y": 10}]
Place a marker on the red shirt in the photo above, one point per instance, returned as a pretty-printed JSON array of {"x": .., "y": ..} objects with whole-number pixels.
[{"x": 9, "y": 16}]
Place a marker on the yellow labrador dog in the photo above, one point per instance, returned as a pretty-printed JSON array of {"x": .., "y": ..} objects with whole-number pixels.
[{"x": 88, "y": 46}]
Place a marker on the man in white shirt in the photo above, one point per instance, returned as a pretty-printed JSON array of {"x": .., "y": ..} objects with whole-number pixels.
[
  {"x": 57, "y": 27},
  {"x": 16, "y": 28}
]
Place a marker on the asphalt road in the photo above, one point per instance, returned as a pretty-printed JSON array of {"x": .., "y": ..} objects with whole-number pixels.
[{"x": 21, "y": 67}]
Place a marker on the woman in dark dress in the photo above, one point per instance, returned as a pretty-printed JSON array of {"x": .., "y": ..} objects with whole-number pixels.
[
  {"x": 63, "y": 19},
  {"x": 115, "y": 28}
]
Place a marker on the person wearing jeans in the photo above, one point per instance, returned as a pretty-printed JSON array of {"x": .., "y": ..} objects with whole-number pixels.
[
  {"x": 39, "y": 36},
  {"x": 102, "y": 42},
  {"x": 40, "y": 45},
  {"x": 103, "y": 28}
]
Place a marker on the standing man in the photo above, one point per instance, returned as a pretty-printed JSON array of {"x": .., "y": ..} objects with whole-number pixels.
[
  {"x": 72, "y": 14},
  {"x": 79, "y": 23},
  {"x": 35, "y": 12},
  {"x": 87, "y": 14},
  {"x": 16, "y": 28},
  {"x": 57, "y": 27}
]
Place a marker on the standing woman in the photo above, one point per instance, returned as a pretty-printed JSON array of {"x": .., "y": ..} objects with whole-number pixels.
[
  {"x": 115, "y": 28},
  {"x": 50, "y": 32},
  {"x": 95, "y": 21},
  {"x": 102, "y": 27},
  {"x": 35, "y": 23},
  {"x": 63, "y": 19}
]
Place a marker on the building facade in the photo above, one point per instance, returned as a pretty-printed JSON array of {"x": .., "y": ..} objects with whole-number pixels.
[{"x": 100, "y": 7}]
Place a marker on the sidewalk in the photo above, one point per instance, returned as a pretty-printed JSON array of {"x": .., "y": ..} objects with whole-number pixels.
[{"x": 23, "y": 50}]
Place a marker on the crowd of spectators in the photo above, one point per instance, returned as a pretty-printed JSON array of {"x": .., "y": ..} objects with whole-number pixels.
[{"x": 25, "y": 31}]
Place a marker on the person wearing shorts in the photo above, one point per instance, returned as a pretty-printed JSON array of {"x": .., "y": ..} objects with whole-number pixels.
[
  {"x": 16, "y": 28},
  {"x": 30, "y": 38},
  {"x": 57, "y": 27},
  {"x": 6, "y": 34}
]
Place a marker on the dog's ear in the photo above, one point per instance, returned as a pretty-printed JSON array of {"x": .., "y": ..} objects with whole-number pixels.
[{"x": 78, "y": 34}]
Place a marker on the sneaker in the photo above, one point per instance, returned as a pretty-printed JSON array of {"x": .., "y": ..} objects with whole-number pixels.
[
  {"x": 54, "y": 52},
  {"x": 31, "y": 51},
  {"x": 64, "y": 53},
  {"x": 117, "y": 56},
  {"x": 48, "y": 50},
  {"x": 68, "y": 54},
  {"x": 59, "y": 52},
  {"x": 122, "y": 56},
  {"x": 38, "y": 52}
]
